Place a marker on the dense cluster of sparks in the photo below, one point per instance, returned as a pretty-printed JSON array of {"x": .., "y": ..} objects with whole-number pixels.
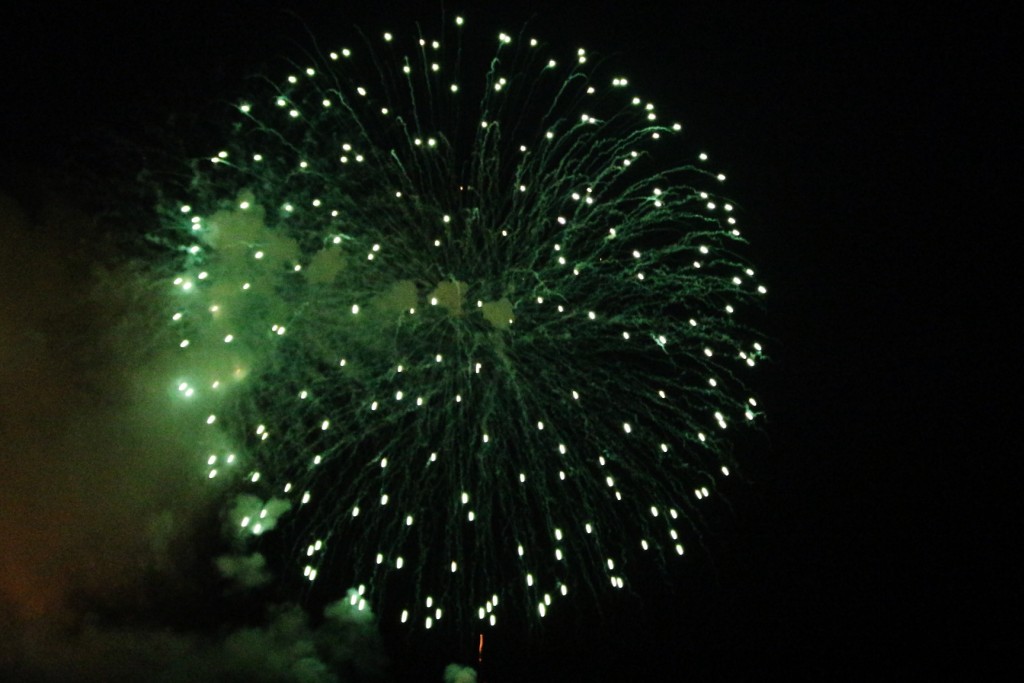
[{"x": 470, "y": 343}]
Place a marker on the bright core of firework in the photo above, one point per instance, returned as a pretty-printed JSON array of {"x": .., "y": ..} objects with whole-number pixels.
[{"x": 468, "y": 332}]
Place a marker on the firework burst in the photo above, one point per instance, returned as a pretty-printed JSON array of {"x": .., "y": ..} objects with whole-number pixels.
[{"x": 467, "y": 333}]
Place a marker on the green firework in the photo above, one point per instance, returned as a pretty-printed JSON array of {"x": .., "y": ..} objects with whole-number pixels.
[{"x": 468, "y": 333}]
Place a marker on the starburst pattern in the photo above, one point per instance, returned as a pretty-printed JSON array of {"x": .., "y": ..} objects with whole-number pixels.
[{"x": 468, "y": 333}]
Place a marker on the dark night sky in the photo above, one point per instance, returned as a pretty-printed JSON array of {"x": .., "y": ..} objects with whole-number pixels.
[{"x": 866, "y": 144}]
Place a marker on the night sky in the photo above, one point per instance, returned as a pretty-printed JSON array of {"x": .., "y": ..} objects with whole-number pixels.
[{"x": 866, "y": 145}]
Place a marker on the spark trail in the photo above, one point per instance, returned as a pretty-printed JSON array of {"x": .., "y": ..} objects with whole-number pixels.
[{"x": 470, "y": 334}]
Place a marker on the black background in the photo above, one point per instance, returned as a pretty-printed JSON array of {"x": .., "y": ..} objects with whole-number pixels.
[{"x": 868, "y": 145}]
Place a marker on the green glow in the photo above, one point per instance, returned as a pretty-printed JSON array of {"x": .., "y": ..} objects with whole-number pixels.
[{"x": 526, "y": 302}]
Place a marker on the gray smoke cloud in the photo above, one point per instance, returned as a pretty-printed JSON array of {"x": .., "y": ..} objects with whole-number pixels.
[
  {"x": 244, "y": 571},
  {"x": 104, "y": 495},
  {"x": 454, "y": 673},
  {"x": 286, "y": 649}
]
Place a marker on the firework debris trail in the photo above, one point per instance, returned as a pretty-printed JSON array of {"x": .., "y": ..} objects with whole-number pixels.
[{"x": 467, "y": 336}]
